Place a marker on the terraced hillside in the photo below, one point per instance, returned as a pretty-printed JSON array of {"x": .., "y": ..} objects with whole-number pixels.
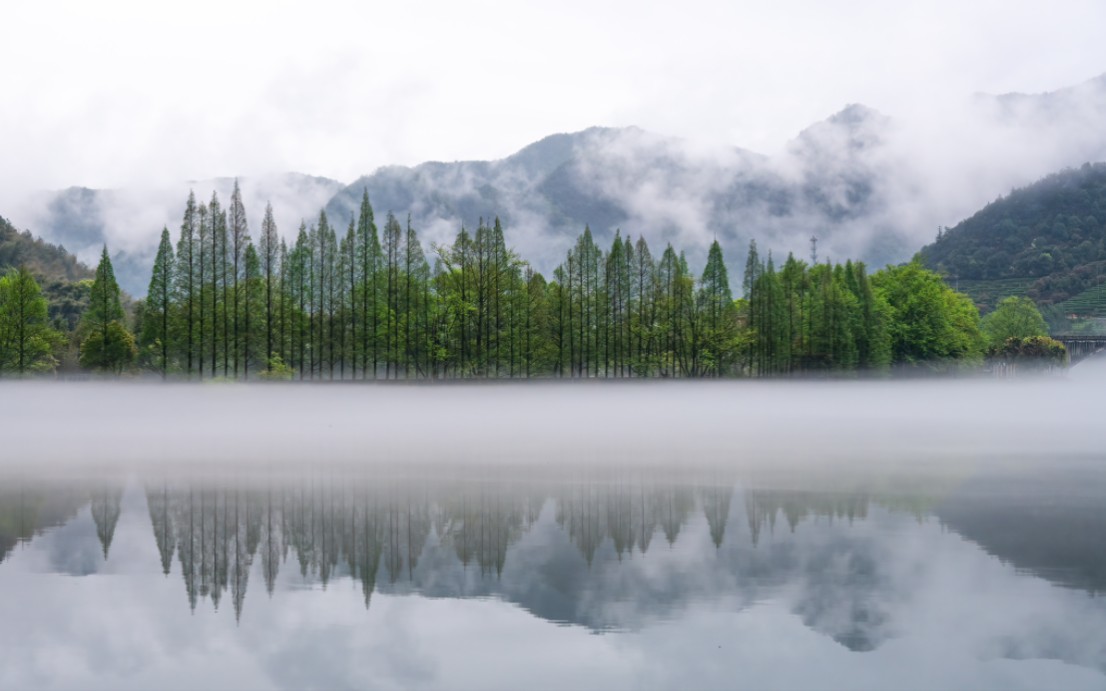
[{"x": 1046, "y": 241}]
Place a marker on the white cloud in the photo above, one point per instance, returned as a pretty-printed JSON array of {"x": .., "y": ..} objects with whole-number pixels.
[{"x": 118, "y": 93}]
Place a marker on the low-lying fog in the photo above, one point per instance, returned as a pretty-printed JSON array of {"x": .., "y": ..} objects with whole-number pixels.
[{"x": 736, "y": 423}]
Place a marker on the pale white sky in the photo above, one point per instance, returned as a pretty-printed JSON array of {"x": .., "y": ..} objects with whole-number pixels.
[{"x": 113, "y": 93}]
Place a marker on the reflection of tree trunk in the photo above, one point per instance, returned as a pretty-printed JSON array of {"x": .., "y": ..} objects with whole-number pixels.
[
  {"x": 218, "y": 533},
  {"x": 716, "y": 506},
  {"x": 162, "y": 523},
  {"x": 105, "y": 513},
  {"x": 272, "y": 536},
  {"x": 186, "y": 547},
  {"x": 244, "y": 548}
]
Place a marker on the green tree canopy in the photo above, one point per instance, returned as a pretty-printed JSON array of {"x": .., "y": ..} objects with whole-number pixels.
[
  {"x": 931, "y": 323},
  {"x": 27, "y": 343},
  {"x": 1015, "y": 317},
  {"x": 106, "y": 344}
]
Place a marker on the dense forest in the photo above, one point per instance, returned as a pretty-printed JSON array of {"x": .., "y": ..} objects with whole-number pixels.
[
  {"x": 64, "y": 280},
  {"x": 1046, "y": 241},
  {"x": 372, "y": 303},
  {"x": 44, "y": 291}
]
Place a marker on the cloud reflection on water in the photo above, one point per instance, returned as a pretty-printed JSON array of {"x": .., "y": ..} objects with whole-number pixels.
[{"x": 829, "y": 575}]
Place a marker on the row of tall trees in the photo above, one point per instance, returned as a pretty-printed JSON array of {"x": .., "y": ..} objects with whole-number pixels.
[
  {"x": 370, "y": 303},
  {"x": 808, "y": 317}
]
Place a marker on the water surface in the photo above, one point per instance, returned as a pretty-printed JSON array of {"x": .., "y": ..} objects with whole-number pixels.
[{"x": 876, "y": 535}]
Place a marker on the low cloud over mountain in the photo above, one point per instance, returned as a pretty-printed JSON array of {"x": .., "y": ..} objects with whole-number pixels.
[{"x": 867, "y": 185}]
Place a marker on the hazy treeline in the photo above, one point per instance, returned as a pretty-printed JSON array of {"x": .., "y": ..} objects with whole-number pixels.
[{"x": 371, "y": 303}]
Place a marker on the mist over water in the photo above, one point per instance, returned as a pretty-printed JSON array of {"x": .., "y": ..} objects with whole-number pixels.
[
  {"x": 742, "y": 424},
  {"x": 926, "y": 534},
  {"x": 339, "y": 576}
]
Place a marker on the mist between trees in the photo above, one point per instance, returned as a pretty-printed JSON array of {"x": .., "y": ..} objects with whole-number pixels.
[{"x": 373, "y": 304}]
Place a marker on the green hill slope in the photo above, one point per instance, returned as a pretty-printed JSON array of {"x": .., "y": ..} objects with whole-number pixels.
[
  {"x": 61, "y": 276},
  {"x": 1046, "y": 241},
  {"x": 48, "y": 261}
]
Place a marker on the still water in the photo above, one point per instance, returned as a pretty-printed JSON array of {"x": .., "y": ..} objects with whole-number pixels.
[
  {"x": 627, "y": 578},
  {"x": 642, "y": 568}
]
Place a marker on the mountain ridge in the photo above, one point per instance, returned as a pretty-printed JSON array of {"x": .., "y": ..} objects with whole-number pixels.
[{"x": 856, "y": 180}]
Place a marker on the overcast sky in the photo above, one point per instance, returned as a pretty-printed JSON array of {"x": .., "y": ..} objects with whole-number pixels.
[{"x": 111, "y": 93}]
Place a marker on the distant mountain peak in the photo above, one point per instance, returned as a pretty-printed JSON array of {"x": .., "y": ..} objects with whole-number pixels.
[
  {"x": 851, "y": 129},
  {"x": 856, "y": 115},
  {"x": 1097, "y": 83}
]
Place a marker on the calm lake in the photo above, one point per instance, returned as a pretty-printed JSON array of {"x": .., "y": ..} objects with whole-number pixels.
[{"x": 922, "y": 535}]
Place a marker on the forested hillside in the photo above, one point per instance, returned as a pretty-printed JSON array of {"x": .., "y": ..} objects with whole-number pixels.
[
  {"x": 56, "y": 270},
  {"x": 1046, "y": 241},
  {"x": 50, "y": 262}
]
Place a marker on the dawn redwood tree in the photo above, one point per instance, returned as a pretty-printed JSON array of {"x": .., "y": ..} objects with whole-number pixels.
[
  {"x": 719, "y": 314},
  {"x": 202, "y": 232},
  {"x": 300, "y": 293},
  {"x": 270, "y": 269},
  {"x": 327, "y": 259},
  {"x": 348, "y": 292},
  {"x": 416, "y": 315},
  {"x": 283, "y": 304},
  {"x": 239, "y": 236},
  {"x": 220, "y": 285},
  {"x": 107, "y": 344},
  {"x": 157, "y": 313},
  {"x": 368, "y": 260},
  {"x": 393, "y": 247},
  {"x": 185, "y": 284},
  {"x": 645, "y": 275},
  {"x": 252, "y": 306}
]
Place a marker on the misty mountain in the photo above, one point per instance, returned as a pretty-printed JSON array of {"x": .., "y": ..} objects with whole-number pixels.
[
  {"x": 47, "y": 261},
  {"x": 829, "y": 183},
  {"x": 1071, "y": 113},
  {"x": 130, "y": 220},
  {"x": 866, "y": 185}
]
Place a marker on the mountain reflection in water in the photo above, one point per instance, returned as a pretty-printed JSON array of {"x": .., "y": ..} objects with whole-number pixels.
[{"x": 611, "y": 552}]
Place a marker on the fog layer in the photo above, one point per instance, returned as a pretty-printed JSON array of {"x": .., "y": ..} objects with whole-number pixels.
[{"x": 733, "y": 423}]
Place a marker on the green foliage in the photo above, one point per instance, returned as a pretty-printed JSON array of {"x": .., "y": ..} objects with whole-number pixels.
[
  {"x": 106, "y": 344},
  {"x": 368, "y": 305},
  {"x": 930, "y": 324},
  {"x": 1035, "y": 352},
  {"x": 986, "y": 294},
  {"x": 105, "y": 305},
  {"x": 1016, "y": 318},
  {"x": 1051, "y": 236},
  {"x": 64, "y": 281},
  {"x": 50, "y": 262},
  {"x": 814, "y": 318},
  {"x": 111, "y": 349},
  {"x": 157, "y": 311},
  {"x": 276, "y": 370},
  {"x": 27, "y": 343},
  {"x": 1089, "y": 303}
]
